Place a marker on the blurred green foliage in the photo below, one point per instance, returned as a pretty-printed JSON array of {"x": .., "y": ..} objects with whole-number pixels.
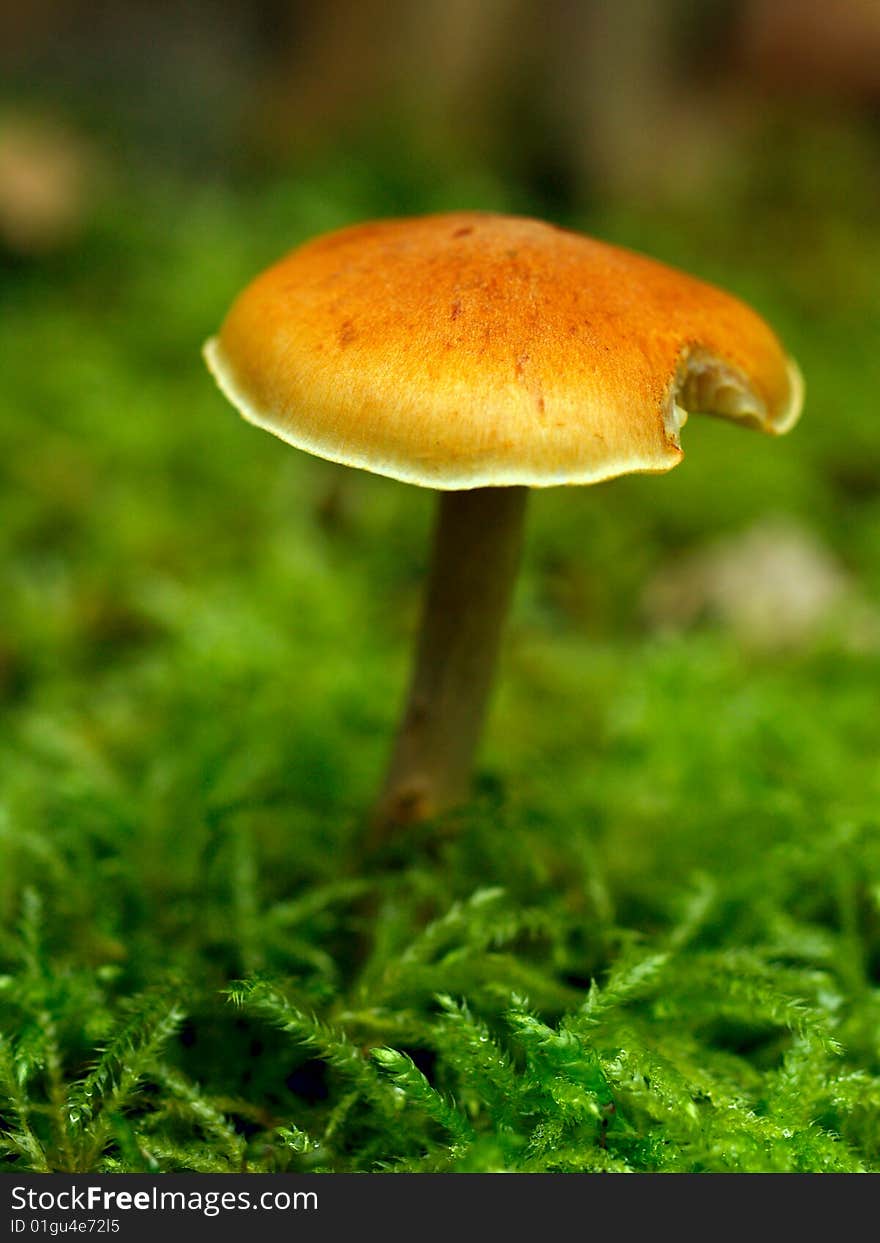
[{"x": 653, "y": 940}]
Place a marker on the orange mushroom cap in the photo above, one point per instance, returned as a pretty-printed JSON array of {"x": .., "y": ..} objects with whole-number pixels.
[{"x": 468, "y": 350}]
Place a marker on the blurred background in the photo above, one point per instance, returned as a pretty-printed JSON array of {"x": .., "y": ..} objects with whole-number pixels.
[
  {"x": 571, "y": 103},
  {"x": 177, "y": 583}
]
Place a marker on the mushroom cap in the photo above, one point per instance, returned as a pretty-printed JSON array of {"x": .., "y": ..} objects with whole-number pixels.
[{"x": 469, "y": 349}]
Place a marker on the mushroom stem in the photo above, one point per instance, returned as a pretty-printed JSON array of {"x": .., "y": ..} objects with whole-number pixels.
[{"x": 475, "y": 557}]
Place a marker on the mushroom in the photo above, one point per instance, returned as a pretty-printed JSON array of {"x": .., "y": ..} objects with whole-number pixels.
[{"x": 483, "y": 355}]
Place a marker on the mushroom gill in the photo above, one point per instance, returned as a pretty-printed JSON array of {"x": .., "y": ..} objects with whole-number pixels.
[{"x": 707, "y": 384}]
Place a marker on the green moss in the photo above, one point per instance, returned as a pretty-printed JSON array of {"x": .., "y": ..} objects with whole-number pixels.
[{"x": 652, "y": 941}]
